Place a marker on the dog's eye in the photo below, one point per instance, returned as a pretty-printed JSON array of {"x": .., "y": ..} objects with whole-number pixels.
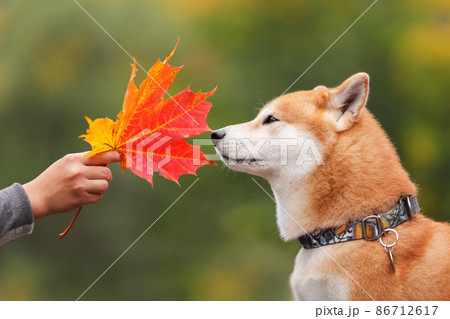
[{"x": 270, "y": 119}]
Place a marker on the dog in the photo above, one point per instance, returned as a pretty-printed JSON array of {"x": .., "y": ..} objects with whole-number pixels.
[{"x": 341, "y": 190}]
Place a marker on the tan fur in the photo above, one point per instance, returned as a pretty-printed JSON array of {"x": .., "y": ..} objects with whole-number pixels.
[{"x": 361, "y": 176}]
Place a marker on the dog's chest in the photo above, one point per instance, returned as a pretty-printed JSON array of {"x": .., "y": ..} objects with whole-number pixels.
[{"x": 312, "y": 280}]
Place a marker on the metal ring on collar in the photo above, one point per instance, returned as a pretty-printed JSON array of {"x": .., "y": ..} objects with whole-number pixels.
[{"x": 390, "y": 245}]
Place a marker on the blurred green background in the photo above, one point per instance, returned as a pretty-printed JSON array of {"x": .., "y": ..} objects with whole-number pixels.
[{"x": 220, "y": 241}]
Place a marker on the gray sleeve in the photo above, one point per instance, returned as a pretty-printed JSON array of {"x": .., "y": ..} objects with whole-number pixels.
[{"x": 16, "y": 215}]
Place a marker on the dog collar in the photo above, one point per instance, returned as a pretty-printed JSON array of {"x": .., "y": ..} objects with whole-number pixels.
[{"x": 370, "y": 228}]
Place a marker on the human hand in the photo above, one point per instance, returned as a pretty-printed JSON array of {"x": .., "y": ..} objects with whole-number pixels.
[{"x": 69, "y": 183}]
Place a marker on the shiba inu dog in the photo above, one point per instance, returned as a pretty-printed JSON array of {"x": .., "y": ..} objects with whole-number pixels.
[{"x": 341, "y": 190}]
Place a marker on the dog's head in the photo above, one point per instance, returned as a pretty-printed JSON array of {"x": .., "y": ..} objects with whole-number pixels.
[{"x": 292, "y": 134}]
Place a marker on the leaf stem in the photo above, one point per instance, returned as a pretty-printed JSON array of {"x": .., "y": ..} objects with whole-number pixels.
[{"x": 64, "y": 233}]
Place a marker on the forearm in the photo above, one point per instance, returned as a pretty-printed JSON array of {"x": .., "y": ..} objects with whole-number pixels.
[{"x": 16, "y": 215}]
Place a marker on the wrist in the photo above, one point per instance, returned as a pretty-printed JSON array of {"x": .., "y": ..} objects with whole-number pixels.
[{"x": 36, "y": 200}]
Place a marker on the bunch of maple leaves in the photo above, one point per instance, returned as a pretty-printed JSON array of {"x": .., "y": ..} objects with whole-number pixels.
[{"x": 149, "y": 132}]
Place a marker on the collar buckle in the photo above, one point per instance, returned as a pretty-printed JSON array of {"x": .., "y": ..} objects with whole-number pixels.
[
  {"x": 376, "y": 220},
  {"x": 407, "y": 204}
]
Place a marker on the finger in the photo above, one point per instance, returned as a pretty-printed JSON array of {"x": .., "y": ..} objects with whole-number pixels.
[
  {"x": 81, "y": 154},
  {"x": 74, "y": 157},
  {"x": 97, "y": 186},
  {"x": 102, "y": 159},
  {"x": 98, "y": 172},
  {"x": 92, "y": 198}
]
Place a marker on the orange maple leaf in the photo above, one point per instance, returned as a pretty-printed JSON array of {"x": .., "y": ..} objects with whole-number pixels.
[{"x": 150, "y": 132}]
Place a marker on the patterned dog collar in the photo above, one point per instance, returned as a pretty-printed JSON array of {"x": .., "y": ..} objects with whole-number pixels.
[{"x": 370, "y": 228}]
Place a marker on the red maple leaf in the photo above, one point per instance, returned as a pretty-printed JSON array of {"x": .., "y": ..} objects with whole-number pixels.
[{"x": 150, "y": 132}]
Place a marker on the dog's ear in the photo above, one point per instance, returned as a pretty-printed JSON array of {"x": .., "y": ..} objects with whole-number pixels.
[
  {"x": 320, "y": 87},
  {"x": 347, "y": 101}
]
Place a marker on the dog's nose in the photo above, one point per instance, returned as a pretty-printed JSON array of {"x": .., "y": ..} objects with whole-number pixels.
[{"x": 217, "y": 135}]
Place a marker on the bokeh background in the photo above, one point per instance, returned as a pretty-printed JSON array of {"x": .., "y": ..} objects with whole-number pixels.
[{"x": 220, "y": 241}]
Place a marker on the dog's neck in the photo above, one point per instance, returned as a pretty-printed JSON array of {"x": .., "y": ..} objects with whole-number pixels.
[{"x": 361, "y": 176}]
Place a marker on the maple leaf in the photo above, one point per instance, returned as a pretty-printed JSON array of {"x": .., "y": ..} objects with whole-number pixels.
[{"x": 149, "y": 132}]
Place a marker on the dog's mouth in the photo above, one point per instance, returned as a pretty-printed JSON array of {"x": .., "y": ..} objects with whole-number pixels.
[{"x": 240, "y": 160}]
